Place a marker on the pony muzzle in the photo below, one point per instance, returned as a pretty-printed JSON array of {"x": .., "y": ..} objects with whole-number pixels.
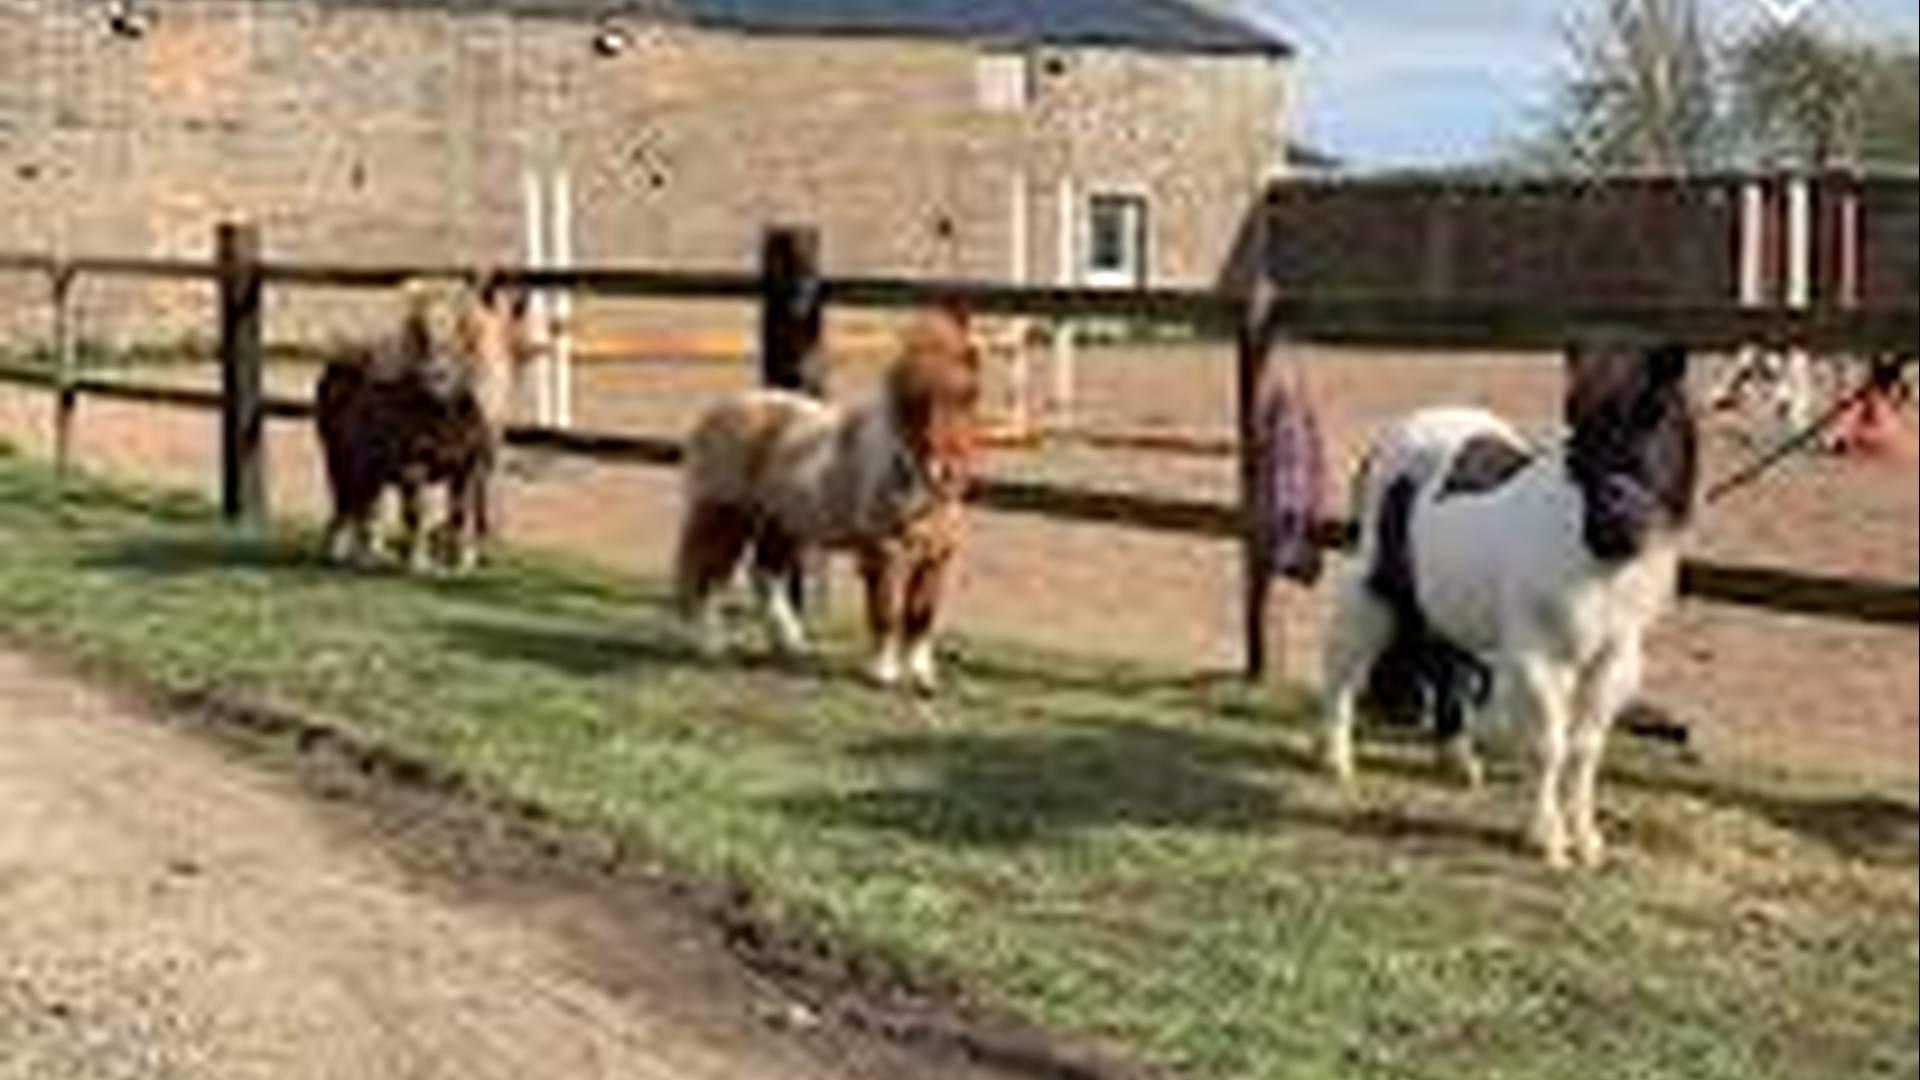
[{"x": 1620, "y": 513}]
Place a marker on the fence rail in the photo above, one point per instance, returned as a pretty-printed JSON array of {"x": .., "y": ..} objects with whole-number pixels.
[
  {"x": 792, "y": 294},
  {"x": 1376, "y": 320},
  {"x": 1772, "y": 589}
]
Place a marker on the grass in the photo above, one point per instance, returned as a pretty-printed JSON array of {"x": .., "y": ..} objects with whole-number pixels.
[{"x": 1140, "y": 858}]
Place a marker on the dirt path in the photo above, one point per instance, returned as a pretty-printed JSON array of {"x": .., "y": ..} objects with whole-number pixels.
[{"x": 168, "y": 910}]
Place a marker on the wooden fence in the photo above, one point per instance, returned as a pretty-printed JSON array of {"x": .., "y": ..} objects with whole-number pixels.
[
  {"x": 1837, "y": 238},
  {"x": 792, "y": 295}
]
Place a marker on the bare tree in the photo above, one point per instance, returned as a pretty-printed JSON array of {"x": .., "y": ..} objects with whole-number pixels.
[
  {"x": 1640, "y": 95},
  {"x": 1890, "y": 123},
  {"x": 1799, "y": 97}
]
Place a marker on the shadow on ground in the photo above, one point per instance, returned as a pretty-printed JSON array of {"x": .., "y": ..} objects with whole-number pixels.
[
  {"x": 1078, "y": 766},
  {"x": 1011, "y": 788}
]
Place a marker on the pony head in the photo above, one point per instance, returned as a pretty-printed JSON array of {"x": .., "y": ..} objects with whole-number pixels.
[
  {"x": 933, "y": 390},
  {"x": 465, "y": 338},
  {"x": 1633, "y": 450}
]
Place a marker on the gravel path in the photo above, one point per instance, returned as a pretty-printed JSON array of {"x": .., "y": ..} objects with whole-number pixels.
[{"x": 170, "y": 910}]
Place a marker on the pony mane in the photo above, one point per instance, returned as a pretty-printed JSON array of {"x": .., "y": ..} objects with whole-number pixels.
[
  {"x": 465, "y": 332},
  {"x": 932, "y": 389}
]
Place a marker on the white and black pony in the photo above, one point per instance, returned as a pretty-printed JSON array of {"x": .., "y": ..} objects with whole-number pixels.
[{"x": 1487, "y": 565}]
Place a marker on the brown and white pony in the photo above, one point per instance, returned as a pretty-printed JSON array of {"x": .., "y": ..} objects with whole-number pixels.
[
  {"x": 781, "y": 474},
  {"x": 421, "y": 407}
]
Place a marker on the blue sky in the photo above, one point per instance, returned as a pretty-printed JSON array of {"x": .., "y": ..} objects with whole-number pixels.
[{"x": 1399, "y": 82}]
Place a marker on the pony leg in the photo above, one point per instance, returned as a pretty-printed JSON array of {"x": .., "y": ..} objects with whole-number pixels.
[
  {"x": 713, "y": 537},
  {"x": 881, "y": 571},
  {"x": 464, "y": 496},
  {"x": 353, "y": 535},
  {"x": 360, "y": 532},
  {"x": 1537, "y": 693},
  {"x": 922, "y": 603},
  {"x": 1607, "y": 688},
  {"x": 1450, "y": 721},
  {"x": 484, "y": 521},
  {"x": 1359, "y": 630},
  {"x": 338, "y": 539},
  {"x": 413, "y": 538},
  {"x": 346, "y": 539},
  {"x": 776, "y": 556}
]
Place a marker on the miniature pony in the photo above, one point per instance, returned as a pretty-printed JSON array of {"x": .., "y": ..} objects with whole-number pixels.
[
  {"x": 1546, "y": 566},
  {"x": 422, "y": 407},
  {"x": 781, "y": 474}
]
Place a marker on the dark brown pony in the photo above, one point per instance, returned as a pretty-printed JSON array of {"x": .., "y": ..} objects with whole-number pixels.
[{"x": 421, "y": 409}]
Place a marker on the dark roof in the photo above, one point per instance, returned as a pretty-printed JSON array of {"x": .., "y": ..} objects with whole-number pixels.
[
  {"x": 1171, "y": 25},
  {"x": 1302, "y": 156},
  {"x": 1197, "y": 26}
]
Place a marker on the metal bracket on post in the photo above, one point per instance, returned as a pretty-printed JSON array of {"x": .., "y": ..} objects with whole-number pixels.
[
  {"x": 243, "y": 488},
  {"x": 66, "y": 356}
]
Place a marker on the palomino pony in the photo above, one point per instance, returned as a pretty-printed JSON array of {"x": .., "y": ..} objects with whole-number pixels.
[
  {"x": 782, "y": 473},
  {"x": 1547, "y": 567},
  {"x": 419, "y": 408}
]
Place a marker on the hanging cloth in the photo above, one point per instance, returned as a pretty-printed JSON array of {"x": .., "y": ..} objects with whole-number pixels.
[{"x": 1293, "y": 477}]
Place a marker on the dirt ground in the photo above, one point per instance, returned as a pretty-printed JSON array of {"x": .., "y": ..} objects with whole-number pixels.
[
  {"x": 169, "y": 911},
  {"x": 1816, "y": 694}
]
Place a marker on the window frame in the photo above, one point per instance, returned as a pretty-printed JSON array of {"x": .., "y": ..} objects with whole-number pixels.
[{"x": 1136, "y": 212}]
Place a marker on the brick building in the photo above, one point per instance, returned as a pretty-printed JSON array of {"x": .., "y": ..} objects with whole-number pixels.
[{"x": 1067, "y": 140}]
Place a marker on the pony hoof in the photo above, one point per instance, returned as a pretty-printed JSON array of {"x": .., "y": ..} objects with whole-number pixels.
[
  {"x": 1551, "y": 845},
  {"x": 704, "y": 640},
  {"x": 923, "y": 674},
  {"x": 1589, "y": 850},
  {"x": 1458, "y": 759},
  {"x": 883, "y": 671},
  {"x": 788, "y": 646},
  {"x": 1337, "y": 762}
]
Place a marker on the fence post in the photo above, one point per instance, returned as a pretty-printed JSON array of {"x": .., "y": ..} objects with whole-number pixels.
[
  {"x": 66, "y": 355},
  {"x": 1250, "y": 369},
  {"x": 1438, "y": 251},
  {"x": 791, "y": 310},
  {"x": 243, "y": 488},
  {"x": 792, "y": 314}
]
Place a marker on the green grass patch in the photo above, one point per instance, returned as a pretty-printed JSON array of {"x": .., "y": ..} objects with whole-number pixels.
[{"x": 1142, "y": 858}]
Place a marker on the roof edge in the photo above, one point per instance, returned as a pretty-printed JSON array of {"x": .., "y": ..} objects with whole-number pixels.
[
  {"x": 1270, "y": 47},
  {"x": 1270, "y": 42}
]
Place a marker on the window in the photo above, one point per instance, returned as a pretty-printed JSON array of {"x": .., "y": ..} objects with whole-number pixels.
[
  {"x": 1000, "y": 81},
  {"x": 1117, "y": 240}
]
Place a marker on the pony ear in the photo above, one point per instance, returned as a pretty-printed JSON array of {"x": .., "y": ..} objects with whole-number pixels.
[
  {"x": 1667, "y": 364},
  {"x": 1582, "y": 370}
]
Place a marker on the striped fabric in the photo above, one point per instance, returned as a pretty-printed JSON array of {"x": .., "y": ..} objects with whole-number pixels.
[{"x": 1293, "y": 476}]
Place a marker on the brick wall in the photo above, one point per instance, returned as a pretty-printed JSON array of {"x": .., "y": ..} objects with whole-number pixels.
[{"x": 369, "y": 132}]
